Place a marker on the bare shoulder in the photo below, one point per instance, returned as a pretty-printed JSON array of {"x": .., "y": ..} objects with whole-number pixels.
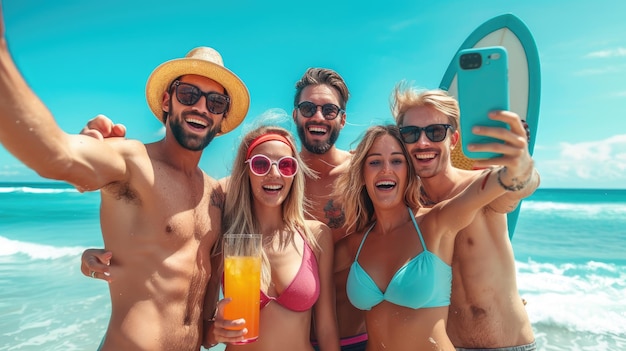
[
  {"x": 318, "y": 228},
  {"x": 344, "y": 161},
  {"x": 346, "y": 156},
  {"x": 321, "y": 231},
  {"x": 135, "y": 168}
]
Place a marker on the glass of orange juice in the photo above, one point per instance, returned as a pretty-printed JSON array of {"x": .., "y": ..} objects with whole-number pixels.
[{"x": 242, "y": 280}]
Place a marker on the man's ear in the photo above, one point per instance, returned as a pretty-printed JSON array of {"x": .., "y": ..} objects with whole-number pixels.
[
  {"x": 294, "y": 114},
  {"x": 165, "y": 102},
  {"x": 454, "y": 139},
  {"x": 343, "y": 119}
]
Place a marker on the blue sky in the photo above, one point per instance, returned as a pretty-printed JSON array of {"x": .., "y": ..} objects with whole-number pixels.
[{"x": 88, "y": 57}]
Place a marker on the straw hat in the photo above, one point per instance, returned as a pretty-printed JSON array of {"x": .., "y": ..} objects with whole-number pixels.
[{"x": 206, "y": 62}]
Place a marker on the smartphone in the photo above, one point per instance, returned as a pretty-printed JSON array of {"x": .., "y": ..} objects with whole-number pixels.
[{"x": 483, "y": 86}]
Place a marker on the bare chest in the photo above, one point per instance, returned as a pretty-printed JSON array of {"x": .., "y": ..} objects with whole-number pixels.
[{"x": 324, "y": 204}]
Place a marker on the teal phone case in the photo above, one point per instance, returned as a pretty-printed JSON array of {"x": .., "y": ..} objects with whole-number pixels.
[{"x": 483, "y": 86}]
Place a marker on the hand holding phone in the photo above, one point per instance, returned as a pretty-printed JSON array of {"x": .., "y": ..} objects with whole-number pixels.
[{"x": 483, "y": 86}]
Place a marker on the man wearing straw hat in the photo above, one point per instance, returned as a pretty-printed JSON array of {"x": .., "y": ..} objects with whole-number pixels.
[{"x": 160, "y": 213}]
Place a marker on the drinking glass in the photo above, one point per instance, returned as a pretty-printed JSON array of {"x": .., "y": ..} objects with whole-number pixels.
[{"x": 242, "y": 280}]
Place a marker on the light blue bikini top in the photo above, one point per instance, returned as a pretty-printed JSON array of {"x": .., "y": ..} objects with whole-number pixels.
[{"x": 425, "y": 281}]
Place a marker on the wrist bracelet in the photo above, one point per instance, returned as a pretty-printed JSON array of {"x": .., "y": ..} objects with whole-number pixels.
[{"x": 514, "y": 187}]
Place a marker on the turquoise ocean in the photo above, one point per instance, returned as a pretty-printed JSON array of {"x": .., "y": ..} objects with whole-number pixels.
[{"x": 570, "y": 248}]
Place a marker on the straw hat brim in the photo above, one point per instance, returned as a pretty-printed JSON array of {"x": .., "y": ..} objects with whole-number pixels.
[{"x": 163, "y": 75}]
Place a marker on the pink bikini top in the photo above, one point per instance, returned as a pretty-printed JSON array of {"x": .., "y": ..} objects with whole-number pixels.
[{"x": 303, "y": 291}]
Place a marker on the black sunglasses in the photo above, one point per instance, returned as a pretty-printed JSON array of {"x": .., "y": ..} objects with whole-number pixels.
[
  {"x": 189, "y": 94},
  {"x": 329, "y": 111},
  {"x": 434, "y": 132}
]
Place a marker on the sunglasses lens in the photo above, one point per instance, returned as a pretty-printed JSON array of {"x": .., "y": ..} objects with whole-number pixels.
[
  {"x": 216, "y": 103},
  {"x": 436, "y": 132},
  {"x": 260, "y": 165},
  {"x": 410, "y": 134},
  {"x": 187, "y": 94},
  {"x": 330, "y": 111},
  {"x": 307, "y": 108},
  {"x": 288, "y": 166}
]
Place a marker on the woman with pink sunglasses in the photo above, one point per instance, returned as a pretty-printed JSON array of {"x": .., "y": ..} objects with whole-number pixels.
[{"x": 265, "y": 194}]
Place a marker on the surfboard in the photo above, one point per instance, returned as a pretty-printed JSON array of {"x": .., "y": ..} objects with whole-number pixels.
[{"x": 511, "y": 32}]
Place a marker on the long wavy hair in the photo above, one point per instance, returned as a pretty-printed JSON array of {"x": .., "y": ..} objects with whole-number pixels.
[
  {"x": 358, "y": 206},
  {"x": 238, "y": 208}
]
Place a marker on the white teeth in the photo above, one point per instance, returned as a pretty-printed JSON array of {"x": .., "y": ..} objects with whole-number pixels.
[
  {"x": 272, "y": 187},
  {"x": 424, "y": 156},
  {"x": 317, "y": 129},
  {"x": 386, "y": 183},
  {"x": 196, "y": 121}
]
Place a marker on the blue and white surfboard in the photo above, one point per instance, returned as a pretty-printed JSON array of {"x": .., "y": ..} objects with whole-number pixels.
[{"x": 524, "y": 78}]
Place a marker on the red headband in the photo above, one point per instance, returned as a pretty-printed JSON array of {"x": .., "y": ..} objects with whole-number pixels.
[{"x": 267, "y": 137}]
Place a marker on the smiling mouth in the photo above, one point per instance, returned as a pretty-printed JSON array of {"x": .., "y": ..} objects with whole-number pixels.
[
  {"x": 317, "y": 130},
  {"x": 425, "y": 156},
  {"x": 385, "y": 184},
  {"x": 196, "y": 123},
  {"x": 272, "y": 188}
]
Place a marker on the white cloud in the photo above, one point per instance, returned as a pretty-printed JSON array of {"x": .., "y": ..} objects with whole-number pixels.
[
  {"x": 620, "y": 94},
  {"x": 617, "y": 52},
  {"x": 589, "y": 164},
  {"x": 607, "y": 69}
]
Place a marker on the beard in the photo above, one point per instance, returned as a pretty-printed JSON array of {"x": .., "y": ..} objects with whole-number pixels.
[
  {"x": 189, "y": 141},
  {"x": 318, "y": 147}
]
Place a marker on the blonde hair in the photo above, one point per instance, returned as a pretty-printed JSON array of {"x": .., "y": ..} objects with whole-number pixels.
[
  {"x": 358, "y": 206},
  {"x": 238, "y": 208},
  {"x": 405, "y": 97}
]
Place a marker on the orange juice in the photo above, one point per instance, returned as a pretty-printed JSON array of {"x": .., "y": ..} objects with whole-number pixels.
[{"x": 242, "y": 283}]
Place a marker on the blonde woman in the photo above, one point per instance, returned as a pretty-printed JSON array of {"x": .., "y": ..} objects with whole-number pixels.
[
  {"x": 265, "y": 194},
  {"x": 401, "y": 274}
]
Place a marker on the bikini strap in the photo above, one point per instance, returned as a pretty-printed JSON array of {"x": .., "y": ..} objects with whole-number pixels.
[
  {"x": 363, "y": 241},
  {"x": 417, "y": 228}
]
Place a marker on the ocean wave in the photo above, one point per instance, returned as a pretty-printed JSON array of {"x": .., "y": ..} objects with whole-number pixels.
[
  {"x": 34, "y": 190},
  {"x": 583, "y": 297},
  {"x": 34, "y": 251},
  {"x": 567, "y": 209}
]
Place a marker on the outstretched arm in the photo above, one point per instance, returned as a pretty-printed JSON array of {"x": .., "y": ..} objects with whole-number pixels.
[{"x": 29, "y": 131}]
